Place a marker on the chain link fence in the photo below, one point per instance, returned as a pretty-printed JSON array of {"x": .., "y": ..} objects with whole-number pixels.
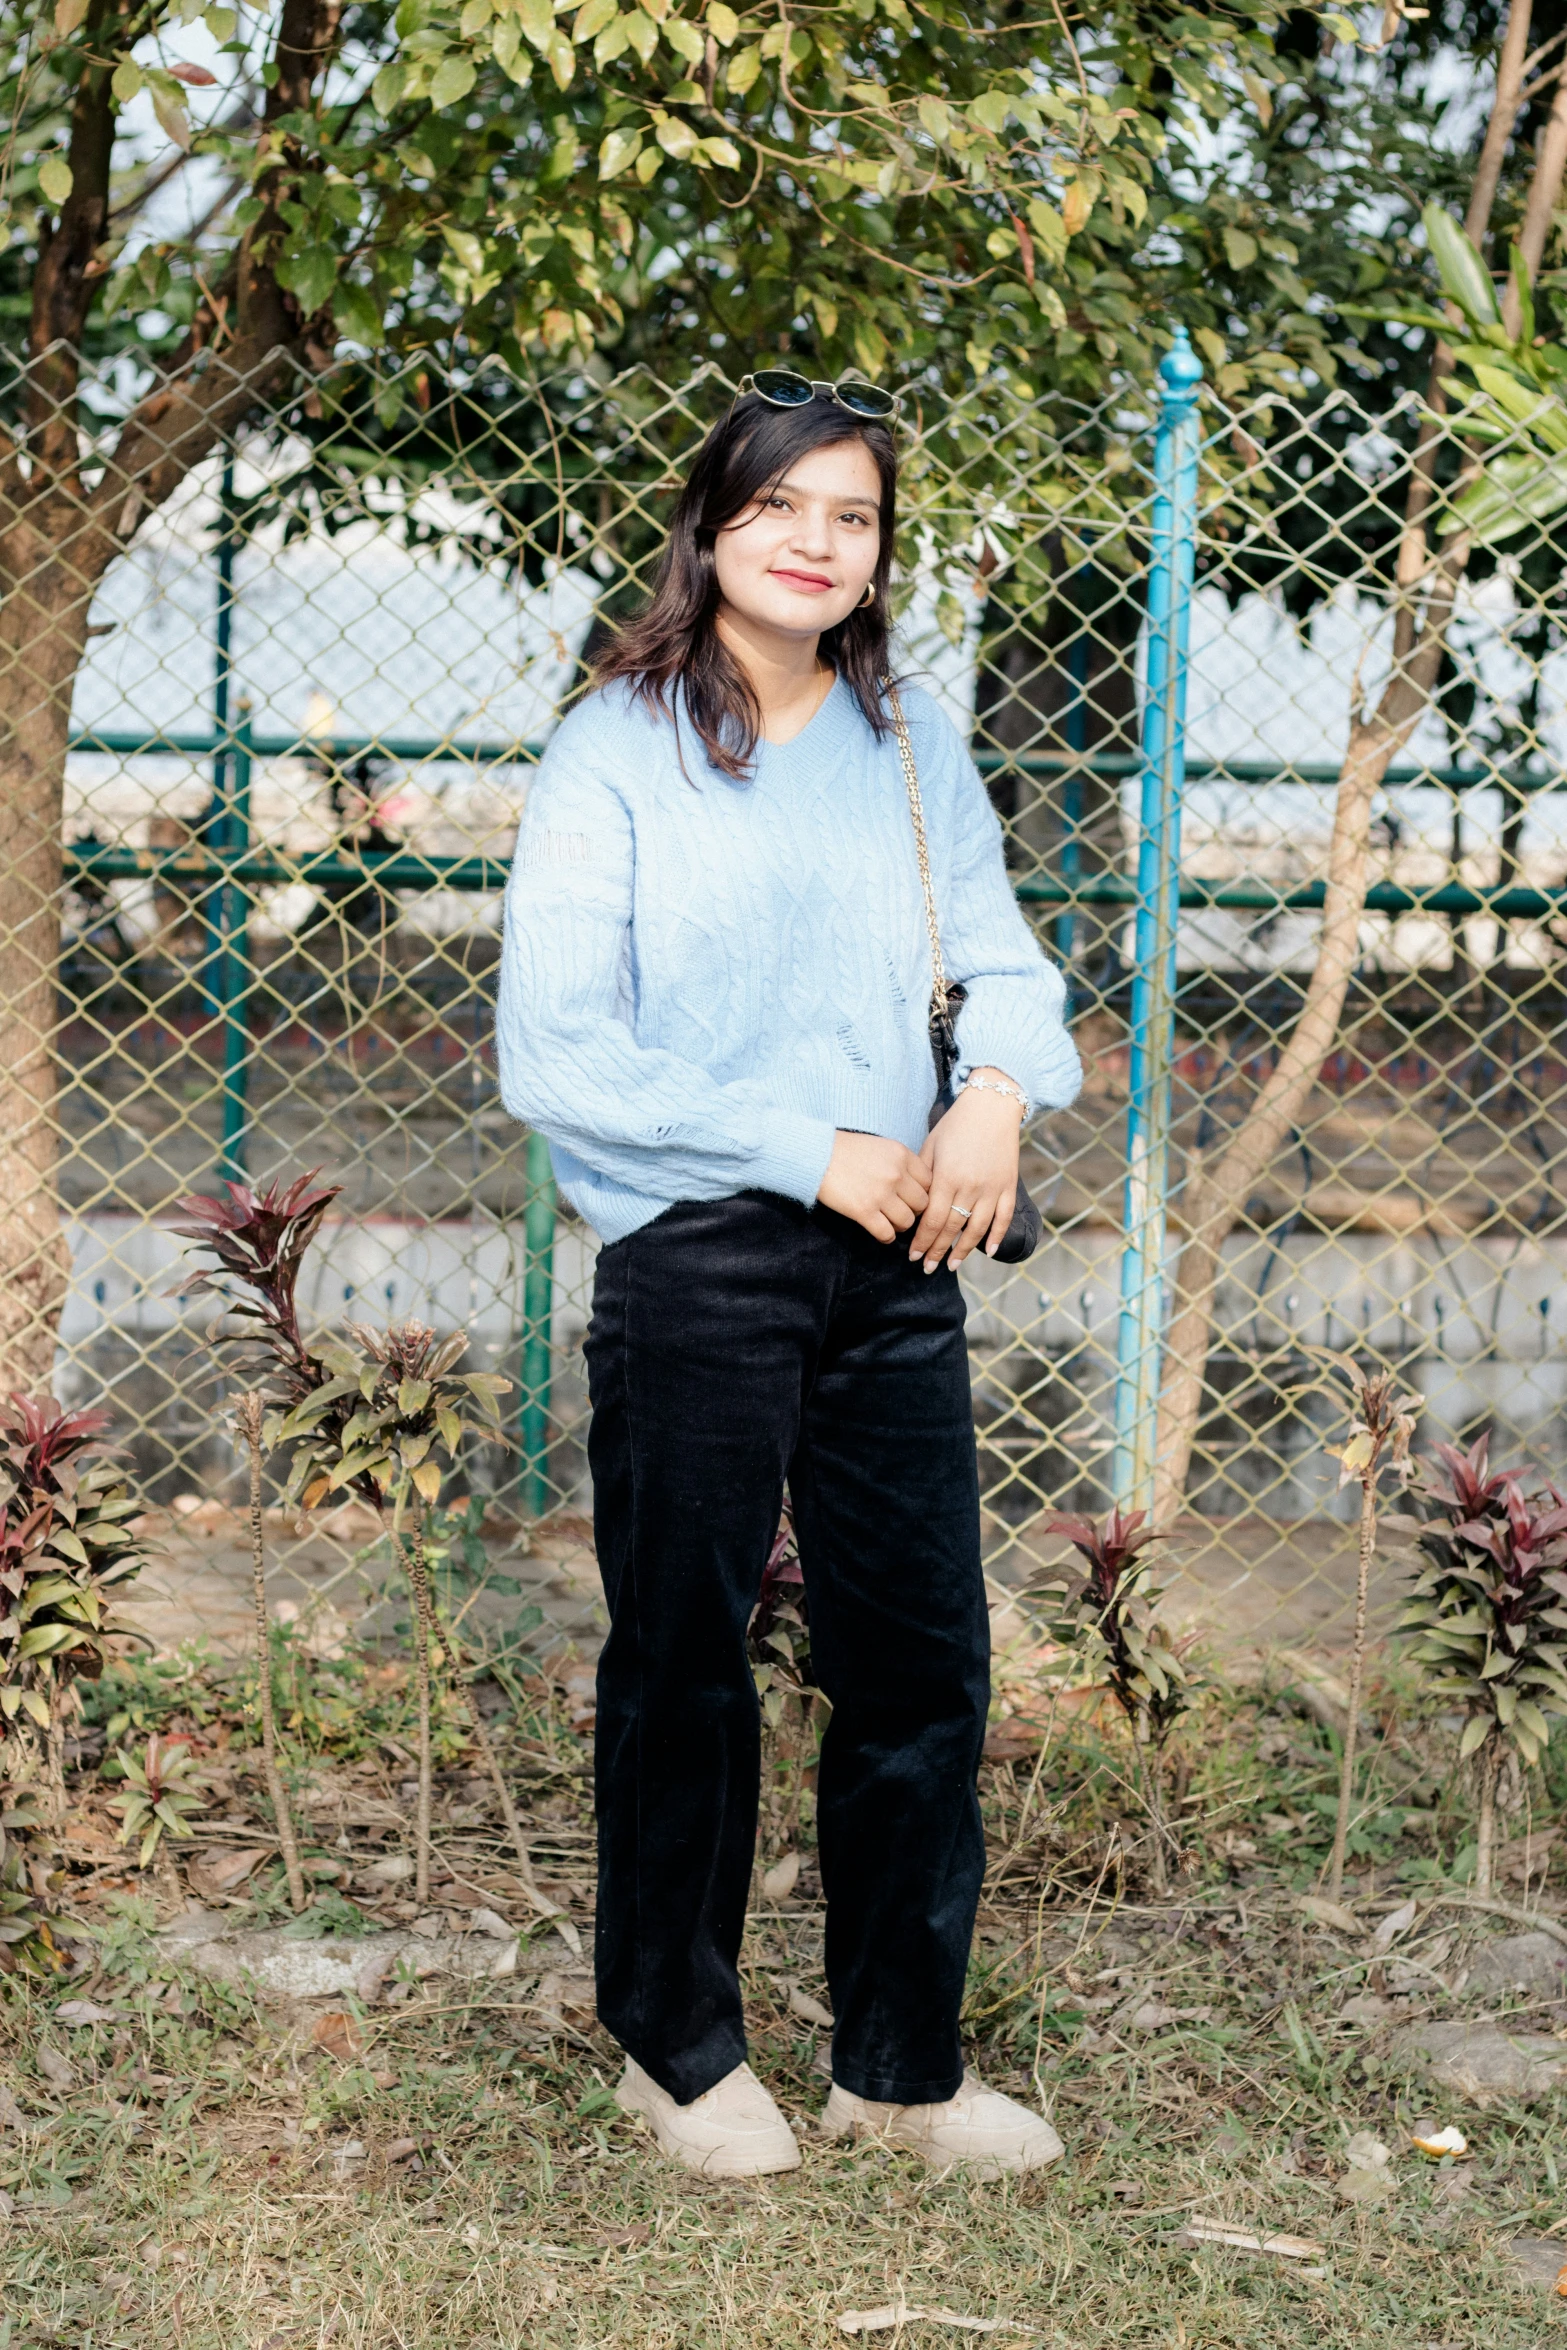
[{"x": 316, "y": 682}]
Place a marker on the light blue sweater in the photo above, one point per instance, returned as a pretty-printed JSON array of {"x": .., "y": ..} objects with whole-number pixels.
[{"x": 702, "y": 979}]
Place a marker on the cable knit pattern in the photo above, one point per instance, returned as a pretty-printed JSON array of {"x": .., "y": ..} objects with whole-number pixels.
[{"x": 701, "y": 980}]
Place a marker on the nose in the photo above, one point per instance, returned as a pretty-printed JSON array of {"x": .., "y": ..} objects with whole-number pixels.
[{"x": 811, "y": 535}]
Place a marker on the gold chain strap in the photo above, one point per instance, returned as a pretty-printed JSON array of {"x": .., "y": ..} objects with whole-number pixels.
[{"x": 911, "y": 779}]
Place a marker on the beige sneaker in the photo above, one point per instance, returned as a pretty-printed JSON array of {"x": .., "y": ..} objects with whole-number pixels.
[
  {"x": 979, "y": 2127},
  {"x": 732, "y": 2131}
]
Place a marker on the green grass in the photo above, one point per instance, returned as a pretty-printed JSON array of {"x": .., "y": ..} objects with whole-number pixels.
[{"x": 185, "y": 2191}]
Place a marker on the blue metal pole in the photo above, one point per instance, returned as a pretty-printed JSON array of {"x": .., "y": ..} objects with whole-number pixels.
[
  {"x": 233, "y": 989},
  {"x": 538, "y": 1296},
  {"x": 1172, "y": 558},
  {"x": 214, "y": 828}
]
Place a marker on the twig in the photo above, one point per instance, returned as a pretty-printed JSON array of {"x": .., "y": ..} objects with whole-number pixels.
[
  {"x": 1357, "y": 1670},
  {"x": 248, "y": 1420},
  {"x": 1501, "y": 1909},
  {"x": 537, "y": 1900}
]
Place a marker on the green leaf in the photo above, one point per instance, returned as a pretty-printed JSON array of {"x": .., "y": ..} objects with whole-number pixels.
[
  {"x": 722, "y": 23},
  {"x": 1462, "y": 271},
  {"x": 591, "y": 19},
  {"x": 309, "y": 276},
  {"x": 55, "y": 178},
  {"x": 619, "y": 149},
  {"x": 46, "y": 1639},
  {"x": 742, "y": 70},
  {"x": 454, "y": 78},
  {"x": 127, "y": 80},
  {"x": 386, "y": 91},
  {"x": 1476, "y": 1731},
  {"x": 1240, "y": 249},
  {"x": 685, "y": 40},
  {"x": 357, "y": 312}
]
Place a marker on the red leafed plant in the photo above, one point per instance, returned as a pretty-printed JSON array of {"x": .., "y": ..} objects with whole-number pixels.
[
  {"x": 1487, "y": 1615},
  {"x": 779, "y": 1642},
  {"x": 367, "y": 1412},
  {"x": 66, "y": 1545},
  {"x": 1108, "y": 1624},
  {"x": 260, "y": 1241}
]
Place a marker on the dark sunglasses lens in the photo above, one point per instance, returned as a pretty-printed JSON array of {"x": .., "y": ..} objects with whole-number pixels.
[
  {"x": 866, "y": 399},
  {"x": 782, "y": 388}
]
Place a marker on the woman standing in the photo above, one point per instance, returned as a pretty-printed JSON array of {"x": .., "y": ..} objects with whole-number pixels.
[{"x": 713, "y": 1001}]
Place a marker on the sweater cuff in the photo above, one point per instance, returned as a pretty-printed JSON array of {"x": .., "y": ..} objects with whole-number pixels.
[
  {"x": 794, "y": 1154},
  {"x": 1047, "y": 1069}
]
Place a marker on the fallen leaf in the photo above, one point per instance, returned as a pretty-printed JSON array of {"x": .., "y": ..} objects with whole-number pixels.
[
  {"x": 392, "y": 1870},
  {"x": 1440, "y": 2142},
  {"x": 1154, "y": 2016},
  {"x": 339, "y": 2035},
  {"x": 1397, "y": 1922},
  {"x": 11, "y": 2115},
  {"x": 220, "y": 1872},
  {"x": 1526, "y": 1856},
  {"x": 1215, "y": 2231},
  {"x": 1365, "y": 2151},
  {"x": 400, "y": 2149},
  {"x": 883, "y": 2321},
  {"x": 54, "y": 2068},
  {"x": 567, "y": 2000},
  {"x": 77, "y": 2012},
  {"x": 1323, "y": 1912},
  {"x": 809, "y": 2010},
  {"x": 782, "y": 1877},
  {"x": 490, "y": 1921}
]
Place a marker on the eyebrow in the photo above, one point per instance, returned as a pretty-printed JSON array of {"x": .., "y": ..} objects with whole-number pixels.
[{"x": 872, "y": 505}]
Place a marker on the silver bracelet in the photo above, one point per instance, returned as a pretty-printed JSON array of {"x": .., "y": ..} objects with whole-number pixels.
[{"x": 989, "y": 1085}]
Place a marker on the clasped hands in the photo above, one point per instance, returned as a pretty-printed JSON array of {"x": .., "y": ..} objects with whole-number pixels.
[{"x": 969, "y": 1161}]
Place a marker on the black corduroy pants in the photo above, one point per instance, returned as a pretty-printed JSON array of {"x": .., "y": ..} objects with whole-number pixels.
[{"x": 736, "y": 1343}]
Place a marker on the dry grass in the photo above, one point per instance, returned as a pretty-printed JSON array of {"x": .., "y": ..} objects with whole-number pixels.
[{"x": 191, "y": 2188}]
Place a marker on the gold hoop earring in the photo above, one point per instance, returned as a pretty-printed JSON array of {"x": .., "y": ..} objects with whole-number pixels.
[{"x": 869, "y": 596}]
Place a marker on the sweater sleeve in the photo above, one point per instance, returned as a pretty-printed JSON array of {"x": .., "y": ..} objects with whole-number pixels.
[
  {"x": 570, "y": 1063},
  {"x": 1014, "y": 1016}
]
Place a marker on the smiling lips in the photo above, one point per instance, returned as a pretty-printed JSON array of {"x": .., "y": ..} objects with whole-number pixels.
[{"x": 812, "y": 581}]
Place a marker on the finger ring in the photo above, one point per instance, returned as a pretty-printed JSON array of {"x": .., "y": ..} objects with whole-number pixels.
[{"x": 965, "y": 1213}]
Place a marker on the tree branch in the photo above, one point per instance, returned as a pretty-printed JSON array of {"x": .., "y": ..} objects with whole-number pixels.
[{"x": 64, "y": 282}]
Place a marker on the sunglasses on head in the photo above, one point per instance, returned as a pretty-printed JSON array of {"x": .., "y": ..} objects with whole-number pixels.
[{"x": 780, "y": 387}]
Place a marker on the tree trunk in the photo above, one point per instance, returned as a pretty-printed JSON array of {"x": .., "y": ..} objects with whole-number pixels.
[
  {"x": 1216, "y": 1192},
  {"x": 43, "y": 627},
  {"x": 60, "y": 529},
  {"x": 1059, "y": 675}
]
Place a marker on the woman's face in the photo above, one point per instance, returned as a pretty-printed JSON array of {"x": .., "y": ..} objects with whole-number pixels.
[{"x": 801, "y": 558}]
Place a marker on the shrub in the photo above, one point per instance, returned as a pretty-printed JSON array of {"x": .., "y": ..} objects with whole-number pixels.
[
  {"x": 1108, "y": 1625},
  {"x": 66, "y": 1545},
  {"x": 1486, "y": 1617},
  {"x": 367, "y": 1413}
]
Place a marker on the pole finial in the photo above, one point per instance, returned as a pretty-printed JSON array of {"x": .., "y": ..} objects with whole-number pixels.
[{"x": 1180, "y": 370}]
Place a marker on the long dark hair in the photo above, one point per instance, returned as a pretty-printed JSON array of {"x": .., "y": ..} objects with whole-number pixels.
[{"x": 673, "y": 642}]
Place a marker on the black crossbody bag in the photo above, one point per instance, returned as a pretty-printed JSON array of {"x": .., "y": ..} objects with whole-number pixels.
[{"x": 1026, "y": 1229}]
